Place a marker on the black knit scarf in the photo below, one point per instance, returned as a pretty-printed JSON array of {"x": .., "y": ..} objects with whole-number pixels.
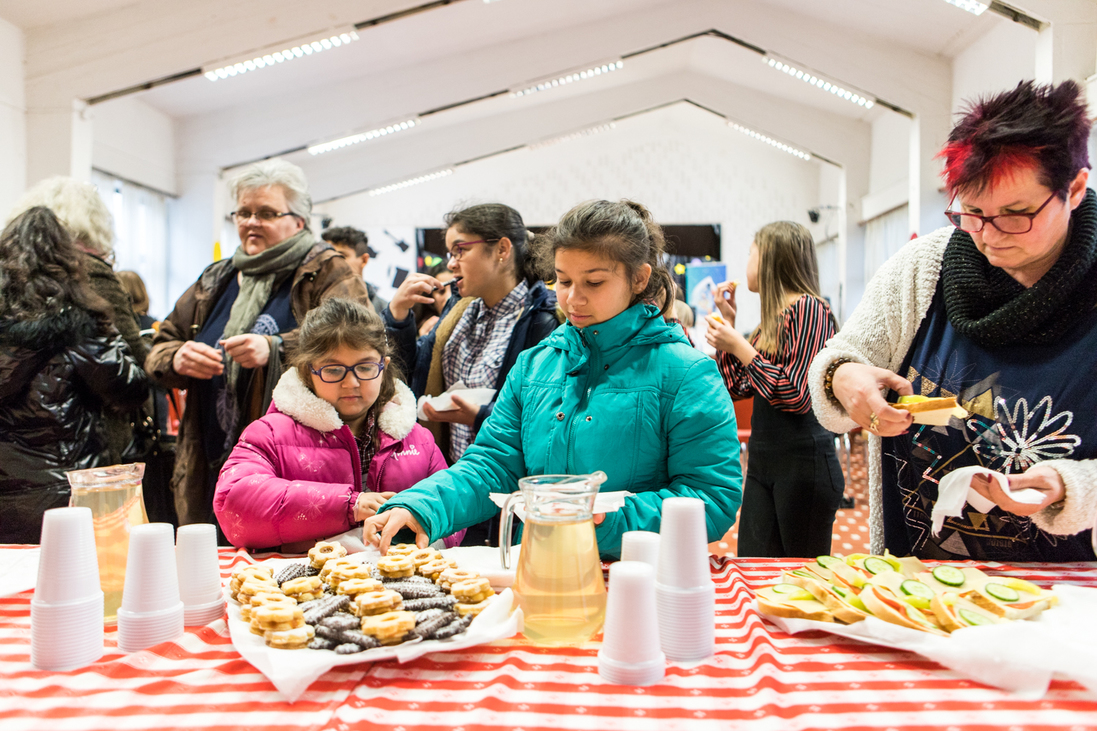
[{"x": 992, "y": 309}]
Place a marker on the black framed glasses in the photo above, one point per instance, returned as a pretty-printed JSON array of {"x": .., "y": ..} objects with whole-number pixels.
[
  {"x": 1007, "y": 223},
  {"x": 364, "y": 371},
  {"x": 460, "y": 246},
  {"x": 264, "y": 216}
]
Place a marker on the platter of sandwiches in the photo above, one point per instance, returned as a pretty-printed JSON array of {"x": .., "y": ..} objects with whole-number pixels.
[{"x": 901, "y": 591}]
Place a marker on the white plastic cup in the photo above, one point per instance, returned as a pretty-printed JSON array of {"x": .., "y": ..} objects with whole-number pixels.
[
  {"x": 641, "y": 545},
  {"x": 687, "y": 621},
  {"x": 68, "y": 570},
  {"x": 66, "y": 636},
  {"x": 202, "y": 614},
  {"x": 631, "y": 653},
  {"x": 196, "y": 561},
  {"x": 152, "y": 581},
  {"x": 140, "y": 630},
  {"x": 683, "y": 544}
]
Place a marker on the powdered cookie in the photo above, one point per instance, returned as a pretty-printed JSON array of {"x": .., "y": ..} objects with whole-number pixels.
[
  {"x": 454, "y": 628},
  {"x": 326, "y": 607},
  {"x": 340, "y": 622},
  {"x": 362, "y": 640},
  {"x": 443, "y": 602},
  {"x": 294, "y": 571},
  {"x": 415, "y": 590}
]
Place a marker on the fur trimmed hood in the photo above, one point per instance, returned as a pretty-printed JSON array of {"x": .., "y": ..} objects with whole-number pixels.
[
  {"x": 55, "y": 331},
  {"x": 294, "y": 399}
]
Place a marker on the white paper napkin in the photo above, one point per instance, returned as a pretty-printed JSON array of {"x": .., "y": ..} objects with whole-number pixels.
[
  {"x": 1020, "y": 657},
  {"x": 293, "y": 671},
  {"x": 18, "y": 569},
  {"x": 443, "y": 402},
  {"x": 486, "y": 561},
  {"x": 955, "y": 491}
]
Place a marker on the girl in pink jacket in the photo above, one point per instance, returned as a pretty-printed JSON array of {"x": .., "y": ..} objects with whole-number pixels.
[{"x": 340, "y": 438}]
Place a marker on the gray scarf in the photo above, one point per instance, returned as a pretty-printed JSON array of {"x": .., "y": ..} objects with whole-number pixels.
[{"x": 263, "y": 274}]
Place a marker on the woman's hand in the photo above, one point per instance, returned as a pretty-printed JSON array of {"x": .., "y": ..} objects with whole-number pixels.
[
  {"x": 380, "y": 529},
  {"x": 465, "y": 413},
  {"x": 197, "y": 360},
  {"x": 1042, "y": 479},
  {"x": 416, "y": 288},
  {"x": 723, "y": 336},
  {"x": 724, "y": 298},
  {"x": 250, "y": 351},
  {"x": 859, "y": 388},
  {"x": 367, "y": 504}
]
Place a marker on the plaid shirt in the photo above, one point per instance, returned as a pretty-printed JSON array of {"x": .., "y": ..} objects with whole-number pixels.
[{"x": 475, "y": 351}]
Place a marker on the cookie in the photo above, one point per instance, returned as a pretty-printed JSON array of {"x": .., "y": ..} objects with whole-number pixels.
[
  {"x": 250, "y": 571},
  {"x": 265, "y": 599},
  {"x": 340, "y": 622},
  {"x": 472, "y": 591},
  {"x": 294, "y": 571},
  {"x": 251, "y": 587},
  {"x": 425, "y": 629},
  {"x": 389, "y": 628},
  {"x": 277, "y": 617},
  {"x": 354, "y": 587},
  {"x": 472, "y": 609},
  {"x": 402, "y": 549},
  {"x": 304, "y": 588},
  {"x": 443, "y": 602},
  {"x": 376, "y": 602},
  {"x": 424, "y": 555},
  {"x": 415, "y": 590},
  {"x": 450, "y": 577},
  {"x": 454, "y": 628},
  {"x": 323, "y": 552},
  {"x": 391, "y": 566},
  {"x": 323, "y": 643},
  {"x": 326, "y": 607},
  {"x": 346, "y": 572},
  {"x": 433, "y": 569},
  {"x": 291, "y": 639},
  {"x": 348, "y": 648},
  {"x": 334, "y": 564},
  {"x": 366, "y": 642}
]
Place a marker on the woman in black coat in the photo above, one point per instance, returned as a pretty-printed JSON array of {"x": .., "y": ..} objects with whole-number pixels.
[{"x": 62, "y": 365}]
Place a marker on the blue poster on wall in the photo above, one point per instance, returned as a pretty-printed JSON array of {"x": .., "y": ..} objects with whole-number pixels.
[{"x": 701, "y": 279}]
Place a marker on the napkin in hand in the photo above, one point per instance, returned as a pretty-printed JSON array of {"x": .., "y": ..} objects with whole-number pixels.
[
  {"x": 955, "y": 491},
  {"x": 443, "y": 402},
  {"x": 604, "y": 502}
]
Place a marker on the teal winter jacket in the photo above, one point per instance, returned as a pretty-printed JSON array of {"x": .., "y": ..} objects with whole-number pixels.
[{"x": 629, "y": 397}]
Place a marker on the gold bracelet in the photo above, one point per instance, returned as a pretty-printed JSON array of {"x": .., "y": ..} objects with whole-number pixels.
[{"x": 828, "y": 377}]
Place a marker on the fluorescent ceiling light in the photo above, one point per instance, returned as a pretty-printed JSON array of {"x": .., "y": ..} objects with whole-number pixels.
[
  {"x": 770, "y": 141},
  {"x": 973, "y": 7},
  {"x": 270, "y": 59},
  {"x": 819, "y": 82},
  {"x": 569, "y": 78},
  {"x": 412, "y": 181},
  {"x": 572, "y": 136},
  {"x": 363, "y": 136}
]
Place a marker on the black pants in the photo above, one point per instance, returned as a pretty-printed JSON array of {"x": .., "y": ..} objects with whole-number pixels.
[{"x": 789, "y": 499}]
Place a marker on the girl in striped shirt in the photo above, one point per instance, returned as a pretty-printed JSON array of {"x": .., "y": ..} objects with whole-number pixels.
[{"x": 794, "y": 483}]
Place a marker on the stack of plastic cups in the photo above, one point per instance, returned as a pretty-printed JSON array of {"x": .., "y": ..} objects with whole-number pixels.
[
  {"x": 151, "y": 611},
  {"x": 640, "y": 545},
  {"x": 630, "y": 653},
  {"x": 66, "y": 613},
  {"x": 685, "y": 597},
  {"x": 199, "y": 574}
]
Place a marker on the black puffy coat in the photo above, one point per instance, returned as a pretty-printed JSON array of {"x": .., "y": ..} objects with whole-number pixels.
[{"x": 57, "y": 376}]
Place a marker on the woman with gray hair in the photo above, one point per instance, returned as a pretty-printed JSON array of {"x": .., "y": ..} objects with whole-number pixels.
[{"x": 229, "y": 333}]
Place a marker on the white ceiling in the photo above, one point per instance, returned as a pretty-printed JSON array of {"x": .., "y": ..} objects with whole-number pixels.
[{"x": 465, "y": 50}]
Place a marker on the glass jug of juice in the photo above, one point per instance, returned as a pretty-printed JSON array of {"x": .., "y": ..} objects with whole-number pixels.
[
  {"x": 114, "y": 496},
  {"x": 558, "y": 582}
]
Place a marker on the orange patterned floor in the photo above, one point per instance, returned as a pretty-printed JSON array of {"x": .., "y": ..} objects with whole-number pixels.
[{"x": 850, "y": 526}]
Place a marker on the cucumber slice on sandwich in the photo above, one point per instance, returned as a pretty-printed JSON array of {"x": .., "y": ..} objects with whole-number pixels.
[
  {"x": 828, "y": 562},
  {"x": 875, "y": 565},
  {"x": 910, "y": 587},
  {"x": 973, "y": 619},
  {"x": 786, "y": 589},
  {"x": 949, "y": 575},
  {"x": 1002, "y": 593}
]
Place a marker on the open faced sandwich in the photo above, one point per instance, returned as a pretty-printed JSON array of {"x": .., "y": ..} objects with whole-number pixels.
[
  {"x": 332, "y": 602},
  {"x": 901, "y": 591}
]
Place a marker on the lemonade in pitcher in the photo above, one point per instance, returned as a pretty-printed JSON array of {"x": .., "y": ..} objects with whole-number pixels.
[
  {"x": 558, "y": 581},
  {"x": 114, "y": 496}
]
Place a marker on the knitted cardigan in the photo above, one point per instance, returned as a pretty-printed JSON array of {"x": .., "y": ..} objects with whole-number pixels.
[{"x": 880, "y": 332}]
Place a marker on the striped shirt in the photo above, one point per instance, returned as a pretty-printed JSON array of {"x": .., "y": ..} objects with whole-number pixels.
[
  {"x": 475, "y": 351},
  {"x": 782, "y": 378}
]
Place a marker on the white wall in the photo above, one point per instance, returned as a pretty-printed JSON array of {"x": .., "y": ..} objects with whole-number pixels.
[
  {"x": 136, "y": 142},
  {"x": 995, "y": 62},
  {"x": 686, "y": 165},
  {"x": 13, "y": 117}
]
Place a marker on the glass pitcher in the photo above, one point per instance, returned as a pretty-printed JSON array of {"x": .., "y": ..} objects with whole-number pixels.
[
  {"x": 558, "y": 581},
  {"x": 114, "y": 496}
]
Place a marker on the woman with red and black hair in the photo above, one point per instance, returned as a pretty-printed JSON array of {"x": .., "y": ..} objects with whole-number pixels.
[{"x": 1000, "y": 311}]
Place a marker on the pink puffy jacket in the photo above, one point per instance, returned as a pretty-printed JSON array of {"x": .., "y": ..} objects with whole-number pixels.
[{"x": 295, "y": 473}]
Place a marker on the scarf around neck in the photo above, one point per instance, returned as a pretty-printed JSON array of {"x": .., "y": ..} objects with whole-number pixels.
[
  {"x": 263, "y": 274},
  {"x": 992, "y": 309}
]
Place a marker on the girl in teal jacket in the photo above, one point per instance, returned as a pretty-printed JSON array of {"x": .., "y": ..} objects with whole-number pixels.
[{"x": 615, "y": 389}]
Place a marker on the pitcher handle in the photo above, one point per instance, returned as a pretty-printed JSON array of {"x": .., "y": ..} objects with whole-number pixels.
[{"x": 506, "y": 530}]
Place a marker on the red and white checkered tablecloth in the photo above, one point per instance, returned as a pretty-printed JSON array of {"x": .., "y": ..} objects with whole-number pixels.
[{"x": 760, "y": 678}]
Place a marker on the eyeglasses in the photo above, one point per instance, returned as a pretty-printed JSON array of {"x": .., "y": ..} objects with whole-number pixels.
[
  {"x": 264, "y": 216},
  {"x": 365, "y": 371},
  {"x": 1009, "y": 223},
  {"x": 459, "y": 248}
]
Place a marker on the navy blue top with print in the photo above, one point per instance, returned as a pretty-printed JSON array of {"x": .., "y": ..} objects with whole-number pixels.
[
  {"x": 217, "y": 408},
  {"x": 1026, "y": 404}
]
